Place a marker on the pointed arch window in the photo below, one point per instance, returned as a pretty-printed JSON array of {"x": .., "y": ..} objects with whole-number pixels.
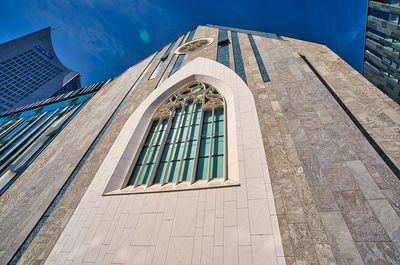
[{"x": 185, "y": 141}]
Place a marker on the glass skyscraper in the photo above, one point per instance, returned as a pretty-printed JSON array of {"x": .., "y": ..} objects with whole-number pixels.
[
  {"x": 30, "y": 71},
  {"x": 382, "y": 46}
]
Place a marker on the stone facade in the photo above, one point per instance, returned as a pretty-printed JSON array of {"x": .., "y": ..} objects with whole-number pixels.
[{"x": 323, "y": 195}]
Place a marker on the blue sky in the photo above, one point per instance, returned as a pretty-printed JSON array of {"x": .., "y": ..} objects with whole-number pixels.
[{"x": 102, "y": 38}]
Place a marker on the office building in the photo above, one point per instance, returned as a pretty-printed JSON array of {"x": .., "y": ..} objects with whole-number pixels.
[
  {"x": 382, "y": 46},
  {"x": 30, "y": 71}
]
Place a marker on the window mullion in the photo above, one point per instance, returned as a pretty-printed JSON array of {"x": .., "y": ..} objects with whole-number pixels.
[
  {"x": 161, "y": 150},
  {"x": 139, "y": 176},
  {"x": 225, "y": 143},
  {"x": 173, "y": 144},
  {"x": 196, "y": 157},
  {"x": 211, "y": 146},
  {"x": 186, "y": 143}
]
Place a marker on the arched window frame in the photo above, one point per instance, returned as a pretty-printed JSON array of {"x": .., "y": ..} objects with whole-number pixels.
[
  {"x": 245, "y": 153},
  {"x": 194, "y": 94}
]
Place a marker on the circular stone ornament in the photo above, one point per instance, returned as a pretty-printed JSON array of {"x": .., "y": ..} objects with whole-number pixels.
[{"x": 194, "y": 45}]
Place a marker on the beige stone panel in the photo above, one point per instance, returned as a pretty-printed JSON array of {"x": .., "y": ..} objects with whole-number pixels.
[
  {"x": 180, "y": 251},
  {"x": 219, "y": 232},
  {"x": 260, "y": 223},
  {"x": 245, "y": 255},
  {"x": 243, "y": 227},
  {"x": 231, "y": 253},
  {"x": 197, "y": 245},
  {"x": 185, "y": 217},
  {"x": 218, "y": 255},
  {"x": 162, "y": 243},
  {"x": 144, "y": 229},
  {"x": 123, "y": 246},
  {"x": 256, "y": 188},
  {"x": 263, "y": 249},
  {"x": 230, "y": 213},
  {"x": 207, "y": 251},
  {"x": 209, "y": 223},
  {"x": 136, "y": 255}
]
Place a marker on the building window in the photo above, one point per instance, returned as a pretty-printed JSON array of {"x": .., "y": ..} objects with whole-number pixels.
[
  {"x": 237, "y": 55},
  {"x": 162, "y": 60},
  {"x": 185, "y": 141},
  {"x": 260, "y": 63},
  {"x": 181, "y": 57},
  {"x": 223, "y": 48}
]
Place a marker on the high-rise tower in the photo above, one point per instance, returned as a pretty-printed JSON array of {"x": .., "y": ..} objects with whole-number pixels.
[
  {"x": 30, "y": 71},
  {"x": 382, "y": 46}
]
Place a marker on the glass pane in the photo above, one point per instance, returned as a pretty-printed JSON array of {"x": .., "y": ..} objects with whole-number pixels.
[
  {"x": 187, "y": 169},
  {"x": 204, "y": 147},
  {"x": 218, "y": 115},
  {"x": 191, "y": 149},
  {"x": 207, "y": 116},
  {"x": 134, "y": 175},
  {"x": 218, "y": 128},
  {"x": 146, "y": 173},
  {"x": 173, "y": 173},
  {"x": 162, "y": 170},
  {"x": 206, "y": 132},
  {"x": 218, "y": 145},
  {"x": 217, "y": 165},
  {"x": 202, "y": 169}
]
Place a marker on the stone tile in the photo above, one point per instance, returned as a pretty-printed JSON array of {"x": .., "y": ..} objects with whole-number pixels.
[
  {"x": 323, "y": 198},
  {"x": 243, "y": 227},
  {"x": 324, "y": 254},
  {"x": 180, "y": 251},
  {"x": 136, "y": 255},
  {"x": 302, "y": 243},
  {"x": 245, "y": 256},
  {"x": 219, "y": 232},
  {"x": 185, "y": 217},
  {"x": 313, "y": 172},
  {"x": 393, "y": 200},
  {"x": 339, "y": 178},
  {"x": 260, "y": 223},
  {"x": 359, "y": 217},
  {"x": 342, "y": 244},
  {"x": 198, "y": 241},
  {"x": 388, "y": 218},
  {"x": 263, "y": 249},
  {"x": 364, "y": 180},
  {"x": 209, "y": 222},
  {"x": 231, "y": 250},
  {"x": 256, "y": 188},
  {"x": 218, "y": 255},
  {"x": 378, "y": 253},
  {"x": 162, "y": 243},
  {"x": 294, "y": 209},
  {"x": 230, "y": 213},
  {"x": 207, "y": 251}
]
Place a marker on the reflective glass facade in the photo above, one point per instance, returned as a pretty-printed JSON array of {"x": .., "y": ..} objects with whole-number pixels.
[
  {"x": 25, "y": 135},
  {"x": 30, "y": 71},
  {"x": 382, "y": 47}
]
